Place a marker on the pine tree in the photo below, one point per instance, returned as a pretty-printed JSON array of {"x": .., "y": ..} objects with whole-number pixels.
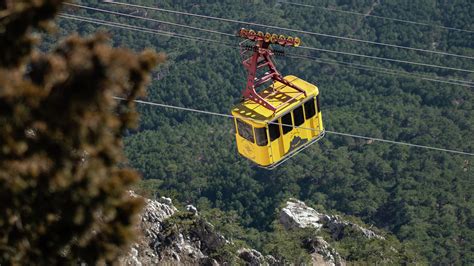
[{"x": 63, "y": 197}]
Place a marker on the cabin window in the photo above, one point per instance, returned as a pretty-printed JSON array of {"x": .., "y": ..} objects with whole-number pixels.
[
  {"x": 286, "y": 120},
  {"x": 317, "y": 103},
  {"x": 298, "y": 116},
  {"x": 245, "y": 130},
  {"x": 274, "y": 130},
  {"x": 309, "y": 109},
  {"x": 261, "y": 136}
]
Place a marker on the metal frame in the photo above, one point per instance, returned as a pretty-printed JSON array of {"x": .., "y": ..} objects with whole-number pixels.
[{"x": 261, "y": 57}]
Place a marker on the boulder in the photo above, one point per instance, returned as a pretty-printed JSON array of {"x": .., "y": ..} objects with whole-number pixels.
[
  {"x": 251, "y": 256},
  {"x": 322, "y": 252},
  {"x": 297, "y": 215},
  {"x": 190, "y": 242}
]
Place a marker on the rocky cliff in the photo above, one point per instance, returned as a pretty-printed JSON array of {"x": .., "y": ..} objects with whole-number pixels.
[
  {"x": 296, "y": 214},
  {"x": 170, "y": 236}
]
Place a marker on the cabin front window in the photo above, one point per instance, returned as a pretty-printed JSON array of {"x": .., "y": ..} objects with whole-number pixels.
[
  {"x": 274, "y": 130},
  {"x": 245, "y": 130},
  {"x": 286, "y": 123},
  {"x": 309, "y": 109},
  {"x": 298, "y": 116},
  {"x": 317, "y": 102},
  {"x": 261, "y": 136}
]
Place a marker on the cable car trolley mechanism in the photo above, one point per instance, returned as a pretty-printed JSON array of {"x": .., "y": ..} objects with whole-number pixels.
[{"x": 275, "y": 123}]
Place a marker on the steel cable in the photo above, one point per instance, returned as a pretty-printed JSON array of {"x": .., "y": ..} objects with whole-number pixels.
[
  {"x": 286, "y": 29},
  {"x": 301, "y": 47},
  {"x": 193, "y": 38},
  {"x": 375, "y": 16}
]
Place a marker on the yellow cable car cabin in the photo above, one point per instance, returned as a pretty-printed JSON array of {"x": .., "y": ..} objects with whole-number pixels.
[
  {"x": 262, "y": 135},
  {"x": 276, "y": 123}
]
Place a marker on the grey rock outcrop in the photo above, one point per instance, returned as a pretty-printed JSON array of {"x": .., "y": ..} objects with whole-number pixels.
[
  {"x": 163, "y": 242},
  {"x": 322, "y": 253},
  {"x": 251, "y": 256},
  {"x": 143, "y": 252},
  {"x": 192, "y": 209},
  {"x": 296, "y": 214}
]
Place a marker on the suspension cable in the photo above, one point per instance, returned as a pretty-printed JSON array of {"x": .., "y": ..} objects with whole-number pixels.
[
  {"x": 387, "y": 59},
  {"x": 285, "y": 29},
  {"x": 149, "y": 19},
  {"x": 301, "y": 47},
  {"x": 331, "y": 9},
  {"x": 193, "y": 38},
  {"x": 302, "y": 128},
  {"x": 141, "y": 29},
  {"x": 456, "y": 82}
]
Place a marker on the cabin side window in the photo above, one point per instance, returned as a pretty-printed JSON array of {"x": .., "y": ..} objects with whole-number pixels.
[
  {"x": 285, "y": 121},
  {"x": 274, "y": 130},
  {"x": 298, "y": 116},
  {"x": 309, "y": 109},
  {"x": 261, "y": 136},
  {"x": 245, "y": 130},
  {"x": 317, "y": 103}
]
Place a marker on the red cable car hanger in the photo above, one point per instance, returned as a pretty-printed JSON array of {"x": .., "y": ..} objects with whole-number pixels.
[{"x": 261, "y": 57}]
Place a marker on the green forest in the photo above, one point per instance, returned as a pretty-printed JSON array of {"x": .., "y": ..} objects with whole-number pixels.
[{"x": 423, "y": 197}]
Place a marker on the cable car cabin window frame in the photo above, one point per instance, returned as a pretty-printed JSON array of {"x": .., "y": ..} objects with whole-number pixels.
[
  {"x": 286, "y": 129},
  {"x": 274, "y": 130},
  {"x": 310, "y": 108},
  {"x": 241, "y": 126},
  {"x": 261, "y": 136},
  {"x": 298, "y": 117}
]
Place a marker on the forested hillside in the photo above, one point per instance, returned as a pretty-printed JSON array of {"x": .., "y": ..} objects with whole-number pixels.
[{"x": 424, "y": 197}]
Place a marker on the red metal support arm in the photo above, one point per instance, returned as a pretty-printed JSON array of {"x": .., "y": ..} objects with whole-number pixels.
[{"x": 261, "y": 57}]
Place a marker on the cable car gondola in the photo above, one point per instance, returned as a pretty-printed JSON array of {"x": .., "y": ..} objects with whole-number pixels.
[{"x": 274, "y": 124}]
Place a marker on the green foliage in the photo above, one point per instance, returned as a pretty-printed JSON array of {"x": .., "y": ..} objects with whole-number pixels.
[
  {"x": 181, "y": 222},
  {"x": 225, "y": 222},
  {"x": 63, "y": 198},
  {"x": 356, "y": 248},
  {"x": 147, "y": 188},
  {"x": 287, "y": 245}
]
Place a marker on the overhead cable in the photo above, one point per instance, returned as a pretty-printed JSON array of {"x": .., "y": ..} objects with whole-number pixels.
[
  {"x": 303, "y": 128},
  {"x": 193, "y": 38},
  {"x": 140, "y": 29},
  {"x": 331, "y": 9},
  {"x": 301, "y": 47},
  {"x": 382, "y": 70},
  {"x": 148, "y": 19},
  {"x": 286, "y": 29},
  {"x": 387, "y": 59}
]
